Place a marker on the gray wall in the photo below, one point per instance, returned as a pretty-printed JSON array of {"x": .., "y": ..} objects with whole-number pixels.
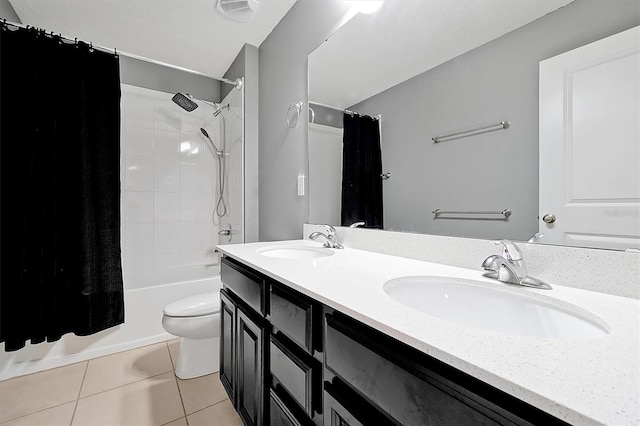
[
  {"x": 151, "y": 76},
  {"x": 497, "y": 81},
  {"x": 7, "y": 12},
  {"x": 246, "y": 65},
  {"x": 284, "y": 81}
]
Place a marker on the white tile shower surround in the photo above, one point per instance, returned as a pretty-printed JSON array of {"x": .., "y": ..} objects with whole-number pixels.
[
  {"x": 168, "y": 195},
  {"x": 604, "y": 271},
  {"x": 136, "y": 387}
]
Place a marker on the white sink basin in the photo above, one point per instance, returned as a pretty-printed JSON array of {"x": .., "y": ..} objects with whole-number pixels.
[
  {"x": 506, "y": 310},
  {"x": 296, "y": 252}
]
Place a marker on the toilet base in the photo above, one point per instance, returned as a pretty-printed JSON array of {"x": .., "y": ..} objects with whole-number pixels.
[{"x": 198, "y": 357}]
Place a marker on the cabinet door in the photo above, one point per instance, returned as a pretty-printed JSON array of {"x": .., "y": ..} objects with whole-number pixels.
[
  {"x": 251, "y": 377},
  {"x": 228, "y": 345}
]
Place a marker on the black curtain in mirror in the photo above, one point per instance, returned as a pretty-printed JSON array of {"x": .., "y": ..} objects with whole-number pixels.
[
  {"x": 361, "y": 170},
  {"x": 60, "y": 189}
]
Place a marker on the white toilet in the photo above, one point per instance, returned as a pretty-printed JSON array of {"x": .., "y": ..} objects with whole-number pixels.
[{"x": 196, "y": 320}]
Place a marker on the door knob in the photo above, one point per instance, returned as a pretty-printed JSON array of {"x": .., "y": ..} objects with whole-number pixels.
[{"x": 549, "y": 218}]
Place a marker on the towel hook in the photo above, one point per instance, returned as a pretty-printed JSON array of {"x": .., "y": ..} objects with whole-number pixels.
[{"x": 293, "y": 113}]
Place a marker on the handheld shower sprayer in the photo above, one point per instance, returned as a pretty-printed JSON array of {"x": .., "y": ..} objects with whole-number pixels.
[
  {"x": 212, "y": 144},
  {"x": 221, "y": 205}
]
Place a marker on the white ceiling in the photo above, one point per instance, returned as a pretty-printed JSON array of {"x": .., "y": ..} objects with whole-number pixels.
[
  {"x": 372, "y": 53},
  {"x": 191, "y": 34}
]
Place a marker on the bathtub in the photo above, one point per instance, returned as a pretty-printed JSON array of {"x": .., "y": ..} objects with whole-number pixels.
[{"x": 142, "y": 326}]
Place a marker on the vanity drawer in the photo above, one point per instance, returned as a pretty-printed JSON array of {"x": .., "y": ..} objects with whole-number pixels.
[
  {"x": 282, "y": 413},
  {"x": 247, "y": 285},
  {"x": 402, "y": 382},
  {"x": 297, "y": 373},
  {"x": 344, "y": 407},
  {"x": 293, "y": 315}
]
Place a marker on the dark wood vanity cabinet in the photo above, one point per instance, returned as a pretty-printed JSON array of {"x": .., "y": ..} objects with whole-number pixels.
[
  {"x": 228, "y": 314},
  {"x": 269, "y": 363},
  {"x": 242, "y": 341},
  {"x": 288, "y": 360},
  {"x": 242, "y": 359}
]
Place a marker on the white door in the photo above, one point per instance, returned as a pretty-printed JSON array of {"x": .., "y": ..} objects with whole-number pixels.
[{"x": 590, "y": 144}]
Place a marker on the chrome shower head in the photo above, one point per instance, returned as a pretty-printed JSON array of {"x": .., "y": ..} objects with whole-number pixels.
[{"x": 184, "y": 102}]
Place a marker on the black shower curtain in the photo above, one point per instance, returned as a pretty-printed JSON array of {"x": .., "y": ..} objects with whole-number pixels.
[
  {"x": 60, "y": 188},
  {"x": 361, "y": 170}
]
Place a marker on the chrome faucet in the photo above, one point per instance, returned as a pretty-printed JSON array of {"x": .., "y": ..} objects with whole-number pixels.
[
  {"x": 329, "y": 236},
  {"x": 510, "y": 267}
]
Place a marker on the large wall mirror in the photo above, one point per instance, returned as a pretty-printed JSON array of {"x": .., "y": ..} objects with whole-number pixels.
[{"x": 434, "y": 68}]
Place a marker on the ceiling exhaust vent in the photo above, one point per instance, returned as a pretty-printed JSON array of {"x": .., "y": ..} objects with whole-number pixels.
[{"x": 238, "y": 10}]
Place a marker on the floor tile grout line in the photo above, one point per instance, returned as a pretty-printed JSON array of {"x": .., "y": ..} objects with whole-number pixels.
[
  {"x": 75, "y": 407},
  {"x": 34, "y": 412},
  {"x": 125, "y": 384},
  {"x": 54, "y": 406},
  {"x": 170, "y": 357},
  {"x": 184, "y": 410},
  {"x": 135, "y": 381},
  {"x": 208, "y": 406},
  {"x": 174, "y": 420}
]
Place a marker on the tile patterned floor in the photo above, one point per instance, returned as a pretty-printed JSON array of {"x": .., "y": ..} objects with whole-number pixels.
[{"x": 136, "y": 387}]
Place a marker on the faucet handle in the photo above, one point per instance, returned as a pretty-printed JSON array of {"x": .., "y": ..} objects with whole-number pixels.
[
  {"x": 331, "y": 231},
  {"x": 509, "y": 250},
  {"x": 535, "y": 238},
  {"x": 330, "y": 235}
]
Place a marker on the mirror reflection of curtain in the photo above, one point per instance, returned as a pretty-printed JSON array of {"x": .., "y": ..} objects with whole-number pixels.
[
  {"x": 60, "y": 184},
  {"x": 361, "y": 170}
]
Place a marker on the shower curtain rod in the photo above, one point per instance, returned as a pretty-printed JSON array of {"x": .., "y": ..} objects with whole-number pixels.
[
  {"x": 346, "y": 111},
  {"x": 127, "y": 54}
]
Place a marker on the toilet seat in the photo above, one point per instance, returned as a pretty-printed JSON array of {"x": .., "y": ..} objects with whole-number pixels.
[{"x": 194, "y": 306}]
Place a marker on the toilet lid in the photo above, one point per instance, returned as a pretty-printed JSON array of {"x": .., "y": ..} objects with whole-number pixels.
[{"x": 198, "y": 305}]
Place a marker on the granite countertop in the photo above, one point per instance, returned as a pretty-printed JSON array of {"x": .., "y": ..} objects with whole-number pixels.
[{"x": 579, "y": 381}]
